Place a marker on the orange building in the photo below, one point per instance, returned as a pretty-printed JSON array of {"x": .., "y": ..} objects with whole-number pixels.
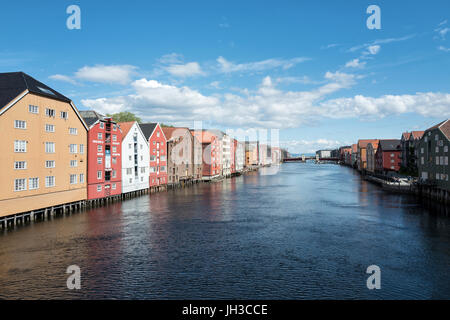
[
  {"x": 362, "y": 153},
  {"x": 43, "y": 159}
]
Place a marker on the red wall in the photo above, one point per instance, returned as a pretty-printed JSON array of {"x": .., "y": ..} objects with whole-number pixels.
[
  {"x": 158, "y": 177},
  {"x": 383, "y": 160},
  {"x": 93, "y": 166}
]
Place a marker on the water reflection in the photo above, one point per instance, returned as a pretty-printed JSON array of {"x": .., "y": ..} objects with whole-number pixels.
[{"x": 309, "y": 231}]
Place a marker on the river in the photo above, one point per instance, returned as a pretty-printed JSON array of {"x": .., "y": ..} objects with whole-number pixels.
[{"x": 304, "y": 231}]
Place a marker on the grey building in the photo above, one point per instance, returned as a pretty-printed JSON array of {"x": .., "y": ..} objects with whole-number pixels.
[{"x": 433, "y": 153}]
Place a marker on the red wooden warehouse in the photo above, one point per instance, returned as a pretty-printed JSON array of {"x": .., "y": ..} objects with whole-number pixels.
[
  {"x": 104, "y": 176},
  {"x": 387, "y": 157},
  {"x": 158, "y": 153}
]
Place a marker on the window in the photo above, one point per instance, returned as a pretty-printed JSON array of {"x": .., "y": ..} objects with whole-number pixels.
[
  {"x": 50, "y": 181},
  {"x": 114, "y": 137},
  {"x": 73, "y": 179},
  {"x": 99, "y": 148},
  {"x": 114, "y": 127},
  {"x": 157, "y": 134},
  {"x": 421, "y": 150},
  {"x": 20, "y": 165},
  {"x": 114, "y": 174},
  {"x": 99, "y": 136},
  {"x": 99, "y": 188},
  {"x": 154, "y": 142},
  {"x": 142, "y": 146},
  {"x": 131, "y": 180},
  {"x": 49, "y": 147},
  {"x": 422, "y": 161},
  {"x": 20, "y": 124},
  {"x": 73, "y": 148},
  {"x": 437, "y": 176},
  {"x": 437, "y": 160},
  {"x": 50, "y": 112},
  {"x": 73, "y": 131},
  {"x": 114, "y": 160},
  {"x": 424, "y": 175},
  {"x": 73, "y": 163},
  {"x": 129, "y": 146},
  {"x": 99, "y": 175},
  {"x": 437, "y": 149},
  {"x": 129, "y": 158},
  {"x": 114, "y": 186},
  {"x": 64, "y": 115},
  {"x": 49, "y": 128},
  {"x": 152, "y": 158},
  {"x": 129, "y": 171},
  {"x": 50, "y": 163},
  {"x": 436, "y": 137},
  {"x": 114, "y": 149},
  {"x": 445, "y": 148},
  {"x": 20, "y": 146},
  {"x": 81, "y": 148},
  {"x": 81, "y": 177},
  {"x": 143, "y": 170},
  {"x": 20, "y": 184},
  {"x": 102, "y": 125},
  {"x": 163, "y": 169},
  {"x": 446, "y": 160},
  {"x": 33, "y": 109},
  {"x": 99, "y": 160},
  {"x": 33, "y": 183}
]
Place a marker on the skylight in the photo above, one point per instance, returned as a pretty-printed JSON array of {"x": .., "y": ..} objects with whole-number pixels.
[{"x": 46, "y": 91}]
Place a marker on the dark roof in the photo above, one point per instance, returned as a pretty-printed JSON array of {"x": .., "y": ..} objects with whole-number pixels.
[
  {"x": 390, "y": 145},
  {"x": 14, "y": 83},
  {"x": 90, "y": 116},
  {"x": 147, "y": 129}
]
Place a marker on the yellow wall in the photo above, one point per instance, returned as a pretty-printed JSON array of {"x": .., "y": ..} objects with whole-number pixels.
[{"x": 20, "y": 201}]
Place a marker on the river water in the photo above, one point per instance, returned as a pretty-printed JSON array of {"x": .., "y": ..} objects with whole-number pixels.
[{"x": 305, "y": 232}]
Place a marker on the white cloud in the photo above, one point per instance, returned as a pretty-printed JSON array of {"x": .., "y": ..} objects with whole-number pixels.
[
  {"x": 442, "y": 48},
  {"x": 355, "y": 63},
  {"x": 185, "y": 70},
  {"x": 226, "y": 66},
  {"x": 61, "y": 77},
  {"x": 381, "y": 41},
  {"x": 171, "y": 58},
  {"x": 268, "y": 106},
  {"x": 373, "y": 49},
  {"x": 120, "y": 74}
]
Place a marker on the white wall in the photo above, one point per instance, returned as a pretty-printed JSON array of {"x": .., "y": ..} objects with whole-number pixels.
[
  {"x": 226, "y": 155},
  {"x": 240, "y": 157},
  {"x": 142, "y": 180}
]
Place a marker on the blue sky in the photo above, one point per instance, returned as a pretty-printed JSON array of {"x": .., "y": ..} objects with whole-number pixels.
[{"x": 313, "y": 70}]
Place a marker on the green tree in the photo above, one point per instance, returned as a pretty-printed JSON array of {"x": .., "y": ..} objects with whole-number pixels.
[
  {"x": 166, "y": 125},
  {"x": 124, "y": 117}
]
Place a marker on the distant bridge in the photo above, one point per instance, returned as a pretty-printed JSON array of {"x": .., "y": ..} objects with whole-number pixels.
[{"x": 305, "y": 158}]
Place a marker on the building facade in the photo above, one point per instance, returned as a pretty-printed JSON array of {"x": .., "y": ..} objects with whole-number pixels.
[
  {"x": 239, "y": 156},
  {"x": 371, "y": 151},
  {"x": 433, "y": 151},
  {"x": 158, "y": 153},
  {"x": 135, "y": 158},
  {"x": 388, "y": 156},
  {"x": 251, "y": 153},
  {"x": 211, "y": 152},
  {"x": 104, "y": 148},
  {"x": 361, "y": 160},
  {"x": 43, "y": 159}
]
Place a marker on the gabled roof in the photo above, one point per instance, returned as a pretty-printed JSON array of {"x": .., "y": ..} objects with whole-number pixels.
[
  {"x": 374, "y": 144},
  {"x": 443, "y": 126},
  {"x": 147, "y": 129},
  {"x": 417, "y": 134},
  {"x": 364, "y": 142},
  {"x": 169, "y": 132},
  {"x": 14, "y": 83},
  {"x": 406, "y": 135},
  {"x": 91, "y": 116},
  {"x": 126, "y": 127},
  {"x": 390, "y": 145}
]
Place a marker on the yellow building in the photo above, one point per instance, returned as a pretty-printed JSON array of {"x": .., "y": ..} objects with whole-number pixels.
[{"x": 43, "y": 147}]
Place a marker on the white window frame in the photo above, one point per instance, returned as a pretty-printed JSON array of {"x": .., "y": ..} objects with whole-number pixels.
[
  {"x": 20, "y": 165},
  {"x": 49, "y": 179},
  {"x": 73, "y": 148},
  {"x": 20, "y": 124},
  {"x": 20, "y": 184},
  {"x": 32, "y": 185},
  {"x": 73, "y": 131},
  {"x": 33, "y": 109},
  {"x": 20, "y": 146},
  {"x": 48, "y": 149},
  {"x": 50, "y": 162},
  {"x": 73, "y": 179},
  {"x": 49, "y": 127}
]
